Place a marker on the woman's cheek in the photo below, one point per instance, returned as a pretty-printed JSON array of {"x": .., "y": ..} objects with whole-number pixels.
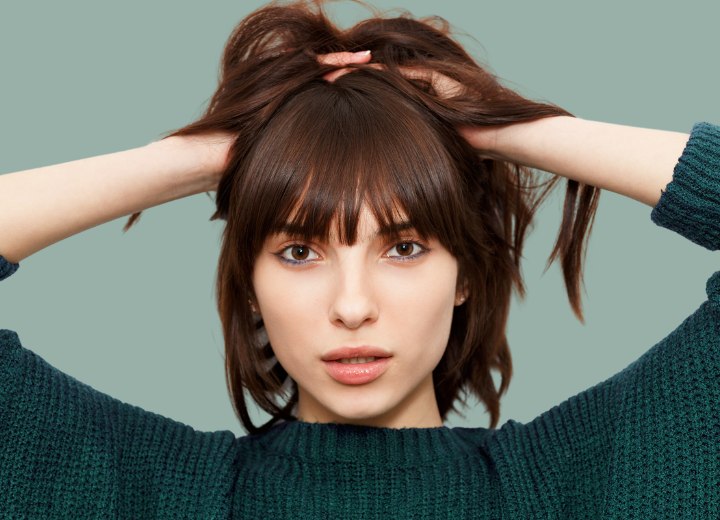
[{"x": 290, "y": 304}]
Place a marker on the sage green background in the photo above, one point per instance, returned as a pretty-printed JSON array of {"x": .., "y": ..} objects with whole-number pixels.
[{"x": 133, "y": 315}]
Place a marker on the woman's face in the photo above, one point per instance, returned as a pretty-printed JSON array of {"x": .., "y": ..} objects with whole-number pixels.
[{"x": 395, "y": 295}]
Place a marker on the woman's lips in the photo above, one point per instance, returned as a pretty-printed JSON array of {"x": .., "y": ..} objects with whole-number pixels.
[
  {"x": 355, "y": 352},
  {"x": 356, "y": 373}
]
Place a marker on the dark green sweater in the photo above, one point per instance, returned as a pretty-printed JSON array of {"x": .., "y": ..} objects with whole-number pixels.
[{"x": 645, "y": 443}]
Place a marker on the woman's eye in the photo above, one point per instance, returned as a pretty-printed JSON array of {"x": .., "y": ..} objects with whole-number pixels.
[
  {"x": 297, "y": 254},
  {"x": 407, "y": 251}
]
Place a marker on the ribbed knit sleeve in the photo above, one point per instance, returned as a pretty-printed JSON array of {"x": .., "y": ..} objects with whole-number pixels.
[
  {"x": 646, "y": 442},
  {"x": 690, "y": 204},
  {"x": 69, "y": 451}
]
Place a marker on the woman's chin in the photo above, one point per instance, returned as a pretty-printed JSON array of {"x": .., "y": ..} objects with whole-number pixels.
[{"x": 354, "y": 410}]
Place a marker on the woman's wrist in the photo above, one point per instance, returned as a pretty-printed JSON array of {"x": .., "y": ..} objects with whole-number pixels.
[
  {"x": 522, "y": 143},
  {"x": 198, "y": 161}
]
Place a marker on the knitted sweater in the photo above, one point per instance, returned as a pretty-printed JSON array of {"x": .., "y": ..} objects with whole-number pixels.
[{"x": 644, "y": 443}]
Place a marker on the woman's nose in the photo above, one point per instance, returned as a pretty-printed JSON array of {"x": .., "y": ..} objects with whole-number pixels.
[{"x": 353, "y": 301}]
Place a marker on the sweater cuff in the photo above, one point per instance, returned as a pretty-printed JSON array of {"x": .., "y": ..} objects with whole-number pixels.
[
  {"x": 7, "y": 268},
  {"x": 690, "y": 203}
]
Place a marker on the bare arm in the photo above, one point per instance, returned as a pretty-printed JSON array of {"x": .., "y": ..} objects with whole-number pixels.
[
  {"x": 45, "y": 205},
  {"x": 631, "y": 161}
]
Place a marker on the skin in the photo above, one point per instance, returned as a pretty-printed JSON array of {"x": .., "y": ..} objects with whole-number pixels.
[{"x": 364, "y": 294}]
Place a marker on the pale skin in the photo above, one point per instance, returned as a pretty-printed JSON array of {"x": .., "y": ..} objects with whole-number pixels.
[
  {"x": 396, "y": 295},
  {"x": 44, "y": 205}
]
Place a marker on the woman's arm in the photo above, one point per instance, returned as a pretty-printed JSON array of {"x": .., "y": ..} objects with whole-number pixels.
[
  {"x": 631, "y": 161},
  {"x": 42, "y": 206}
]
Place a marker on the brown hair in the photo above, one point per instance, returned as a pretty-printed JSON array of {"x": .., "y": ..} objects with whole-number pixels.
[{"x": 313, "y": 152}]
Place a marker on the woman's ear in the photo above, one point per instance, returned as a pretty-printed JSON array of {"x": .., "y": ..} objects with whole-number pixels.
[
  {"x": 253, "y": 305},
  {"x": 461, "y": 294}
]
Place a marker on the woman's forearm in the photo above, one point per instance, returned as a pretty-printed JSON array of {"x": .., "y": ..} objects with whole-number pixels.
[
  {"x": 44, "y": 205},
  {"x": 635, "y": 162}
]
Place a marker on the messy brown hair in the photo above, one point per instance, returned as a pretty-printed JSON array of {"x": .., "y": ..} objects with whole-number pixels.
[{"x": 313, "y": 152}]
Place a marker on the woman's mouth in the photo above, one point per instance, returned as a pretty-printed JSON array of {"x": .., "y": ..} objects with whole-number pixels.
[
  {"x": 357, "y": 360},
  {"x": 357, "y": 371}
]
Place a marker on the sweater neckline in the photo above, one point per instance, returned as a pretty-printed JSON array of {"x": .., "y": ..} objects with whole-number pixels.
[{"x": 348, "y": 443}]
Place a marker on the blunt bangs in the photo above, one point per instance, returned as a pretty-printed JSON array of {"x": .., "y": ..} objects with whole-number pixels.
[{"x": 332, "y": 148}]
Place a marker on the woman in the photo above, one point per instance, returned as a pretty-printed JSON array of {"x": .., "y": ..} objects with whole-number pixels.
[{"x": 375, "y": 208}]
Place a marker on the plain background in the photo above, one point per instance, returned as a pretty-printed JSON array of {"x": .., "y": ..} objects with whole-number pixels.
[{"x": 133, "y": 315}]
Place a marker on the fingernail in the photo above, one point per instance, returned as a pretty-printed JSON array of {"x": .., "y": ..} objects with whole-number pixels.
[{"x": 363, "y": 53}]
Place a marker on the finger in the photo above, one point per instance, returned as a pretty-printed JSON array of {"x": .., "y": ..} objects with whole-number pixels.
[
  {"x": 444, "y": 86},
  {"x": 344, "y": 58},
  {"x": 415, "y": 73},
  {"x": 335, "y": 74}
]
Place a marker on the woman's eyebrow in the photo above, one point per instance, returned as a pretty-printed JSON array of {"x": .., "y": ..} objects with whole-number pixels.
[
  {"x": 395, "y": 227},
  {"x": 388, "y": 230}
]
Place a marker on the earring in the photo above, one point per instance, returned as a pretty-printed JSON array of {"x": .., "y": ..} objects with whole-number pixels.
[
  {"x": 460, "y": 300},
  {"x": 252, "y": 307}
]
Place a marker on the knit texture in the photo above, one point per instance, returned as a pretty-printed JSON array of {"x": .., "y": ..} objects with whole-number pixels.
[
  {"x": 644, "y": 443},
  {"x": 7, "y": 268}
]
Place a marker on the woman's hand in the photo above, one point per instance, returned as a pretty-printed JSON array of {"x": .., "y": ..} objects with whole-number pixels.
[
  {"x": 482, "y": 139},
  {"x": 443, "y": 85},
  {"x": 340, "y": 59}
]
